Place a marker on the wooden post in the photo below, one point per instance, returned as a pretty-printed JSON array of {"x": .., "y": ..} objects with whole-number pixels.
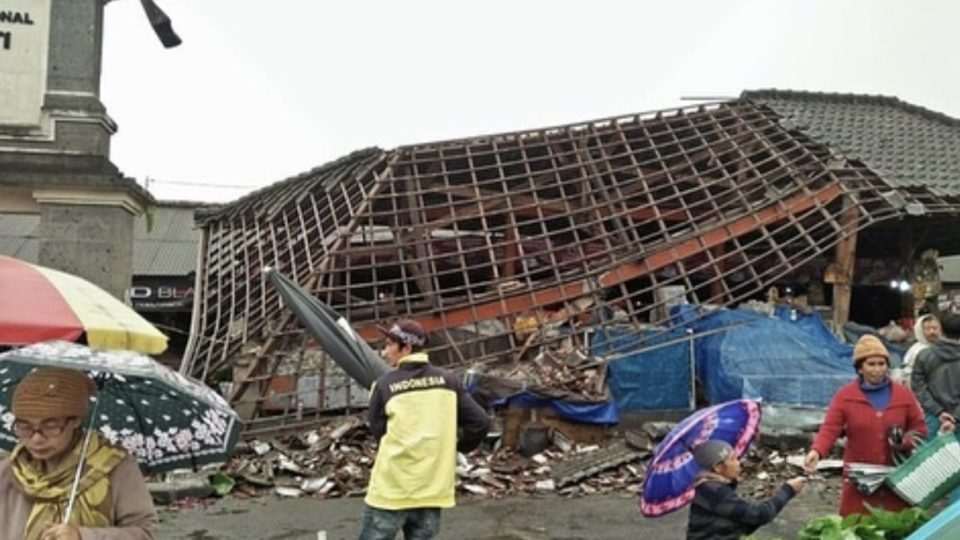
[
  {"x": 717, "y": 290},
  {"x": 909, "y": 304},
  {"x": 844, "y": 259}
]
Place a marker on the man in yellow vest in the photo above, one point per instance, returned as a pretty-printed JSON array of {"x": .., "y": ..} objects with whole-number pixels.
[{"x": 415, "y": 412}]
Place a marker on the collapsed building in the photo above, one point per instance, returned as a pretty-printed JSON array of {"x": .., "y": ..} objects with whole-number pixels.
[{"x": 512, "y": 250}]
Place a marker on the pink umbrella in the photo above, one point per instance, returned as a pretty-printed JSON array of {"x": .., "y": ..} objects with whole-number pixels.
[{"x": 669, "y": 481}]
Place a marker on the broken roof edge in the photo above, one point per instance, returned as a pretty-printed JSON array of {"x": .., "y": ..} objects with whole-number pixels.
[
  {"x": 839, "y": 97},
  {"x": 583, "y": 126},
  {"x": 756, "y": 97},
  {"x": 213, "y": 212},
  {"x": 202, "y": 216}
]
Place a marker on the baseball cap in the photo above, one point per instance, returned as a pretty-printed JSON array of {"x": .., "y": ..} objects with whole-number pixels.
[{"x": 406, "y": 332}]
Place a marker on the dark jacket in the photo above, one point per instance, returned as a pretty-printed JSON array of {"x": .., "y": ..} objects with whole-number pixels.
[
  {"x": 718, "y": 513},
  {"x": 936, "y": 378},
  {"x": 415, "y": 412}
]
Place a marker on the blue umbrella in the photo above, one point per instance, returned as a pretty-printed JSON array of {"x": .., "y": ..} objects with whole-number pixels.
[{"x": 669, "y": 481}]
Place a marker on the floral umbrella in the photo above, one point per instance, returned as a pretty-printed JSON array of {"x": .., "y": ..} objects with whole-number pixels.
[
  {"x": 669, "y": 481},
  {"x": 164, "y": 419}
]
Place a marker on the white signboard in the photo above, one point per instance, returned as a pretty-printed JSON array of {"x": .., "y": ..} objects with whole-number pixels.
[{"x": 24, "y": 40}]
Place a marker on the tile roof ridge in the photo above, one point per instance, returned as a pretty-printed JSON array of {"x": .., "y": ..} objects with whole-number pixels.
[{"x": 880, "y": 99}]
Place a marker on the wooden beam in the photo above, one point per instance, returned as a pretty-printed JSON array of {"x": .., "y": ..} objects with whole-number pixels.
[
  {"x": 717, "y": 289},
  {"x": 646, "y": 266},
  {"x": 844, "y": 258}
]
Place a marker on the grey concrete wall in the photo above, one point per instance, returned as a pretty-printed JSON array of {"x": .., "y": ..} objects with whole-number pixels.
[
  {"x": 93, "y": 242},
  {"x": 76, "y": 38}
]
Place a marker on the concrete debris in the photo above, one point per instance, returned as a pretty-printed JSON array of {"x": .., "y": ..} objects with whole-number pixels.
[
  {"x": 170, "y": 491},
  {"x": 334, "y": 460},
  {"x": 287, "y": 491},
  {"x": 593, "y": 460},
  {"x": 475, "y": 489},
  {"x": 545, "y": 485},
  {"x": 657, "y": 430},
  {"x": 260, "y": 447}
]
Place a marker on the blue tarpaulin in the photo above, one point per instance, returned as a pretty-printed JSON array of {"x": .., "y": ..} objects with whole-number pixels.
[
  {"x": 653, "y": 380},
  {"x": 777, "y": 360},
  {"x": 791, "y": 358},
  {"x": 604, "y": 412}
]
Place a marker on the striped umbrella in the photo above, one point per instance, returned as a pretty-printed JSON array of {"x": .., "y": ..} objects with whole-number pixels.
[{"x": 40, "y": 304}]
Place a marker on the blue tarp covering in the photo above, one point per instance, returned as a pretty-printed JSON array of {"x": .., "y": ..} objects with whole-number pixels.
[
  {"x": 777, "y": 360},
  {"x": 654, "y": 380},
  {"x": 587, "y": 413},
  {"x": 789, "y": 358}
]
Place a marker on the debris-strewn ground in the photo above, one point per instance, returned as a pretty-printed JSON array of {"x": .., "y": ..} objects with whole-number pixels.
[
  {"x": 334, "y": 461},
  {"x": 610, "y": 516},
  {"x": 295, "y": 485}
]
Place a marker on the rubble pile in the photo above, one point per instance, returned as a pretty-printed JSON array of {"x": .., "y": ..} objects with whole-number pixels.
[
  {"x": 334, "y": 460},
  {"x": 573, "y": 374},
  {"x": 331, "y": 461},
  {"x": 764, "y": 470}
]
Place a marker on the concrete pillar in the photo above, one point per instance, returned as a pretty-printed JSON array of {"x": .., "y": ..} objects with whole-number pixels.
[
  {"x": 93, "y": 242},
  {"x": 55, "y": 142}
]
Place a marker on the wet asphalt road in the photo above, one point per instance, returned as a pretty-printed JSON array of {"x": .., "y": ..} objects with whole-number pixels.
[{"x": 597, "y": 517}]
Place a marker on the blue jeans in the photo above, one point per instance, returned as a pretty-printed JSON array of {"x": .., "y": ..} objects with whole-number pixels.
[
  {"x": 416, "y": 523},
  {"x": 933, "y": 426}
]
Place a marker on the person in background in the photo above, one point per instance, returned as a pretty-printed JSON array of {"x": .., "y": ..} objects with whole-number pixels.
[
  {"x": 936, "y": 381},
  {"x": 415, "y": 412},
  {"x": 868, "y": 410},
  {"x": 936, "y": 377},
  {"x": 112, "y": 501},
  {"x": 926, "y": 331},
  {"x": 717, "y": 512}
]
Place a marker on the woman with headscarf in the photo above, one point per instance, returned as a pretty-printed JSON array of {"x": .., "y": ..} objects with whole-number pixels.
[
  {"x": 926, "y": 331},
  {"x": 36, "y": 480},
  {"x": 874, "y": 413}
]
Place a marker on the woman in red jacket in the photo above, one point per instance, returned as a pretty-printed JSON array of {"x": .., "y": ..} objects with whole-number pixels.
[{"x": 866, "y": 410}]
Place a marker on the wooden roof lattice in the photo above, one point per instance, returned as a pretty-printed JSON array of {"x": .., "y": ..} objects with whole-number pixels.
[{"x": 566, "y": 229}]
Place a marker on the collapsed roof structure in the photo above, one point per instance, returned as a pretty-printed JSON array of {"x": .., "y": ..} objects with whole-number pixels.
[{"x": 490, "y": 242}]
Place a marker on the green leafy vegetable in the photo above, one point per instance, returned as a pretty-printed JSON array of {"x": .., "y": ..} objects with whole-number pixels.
[{"x": 880, "y": 524}]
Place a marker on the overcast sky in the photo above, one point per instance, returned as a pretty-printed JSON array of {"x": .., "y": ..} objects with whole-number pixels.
[{"x": 260, "y": 91}]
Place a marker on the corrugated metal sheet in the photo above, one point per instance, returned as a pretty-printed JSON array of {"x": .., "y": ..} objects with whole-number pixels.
[
  {"x": 168, "y": 249},
  {"x": 18, "y": 236}
]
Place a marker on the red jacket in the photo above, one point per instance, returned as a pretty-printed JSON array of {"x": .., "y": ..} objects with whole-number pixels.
[{"x": 851, "y": 413}]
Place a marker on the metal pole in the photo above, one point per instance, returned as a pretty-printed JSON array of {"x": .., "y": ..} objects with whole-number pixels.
[
  {"x": 693, "y": 371},
  {"x": 83, "y": 456}
]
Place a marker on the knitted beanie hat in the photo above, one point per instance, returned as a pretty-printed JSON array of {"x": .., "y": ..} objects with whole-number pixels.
[
  {"x": 53, "y": 392},
  {"x": 868, "y": 346},
  {"x": 710, "y": 453}
]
